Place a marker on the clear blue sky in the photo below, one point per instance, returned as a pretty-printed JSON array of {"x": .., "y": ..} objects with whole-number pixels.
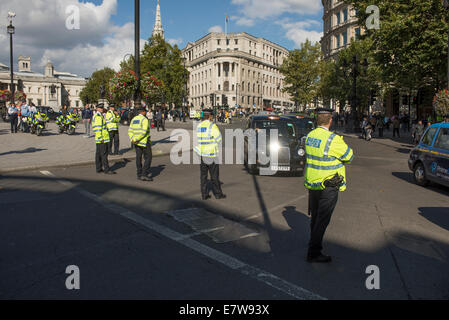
[{"x": 191, "y": 20}]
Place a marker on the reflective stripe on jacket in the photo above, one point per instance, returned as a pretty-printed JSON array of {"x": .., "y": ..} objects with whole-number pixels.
[
  {"x": 327, "y": 154},
  {"x": 112, "y": 121},
  {"x": 99, "y": 128},
  {"x": 209, "y": 137},
  {"x": 139, "y": 131}
]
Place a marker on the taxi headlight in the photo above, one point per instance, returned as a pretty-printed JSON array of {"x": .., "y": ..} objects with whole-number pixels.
[
  {"x": 275, "y": 147},
  {"x": 301, "y": 152}
]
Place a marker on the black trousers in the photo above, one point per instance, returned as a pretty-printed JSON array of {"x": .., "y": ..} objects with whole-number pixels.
[
  {"x": 147, "y": 154},
  {"x": 115, "y": 140},
  {"x": 322, "y": 204},
  {"x": 381, "y": 132},
  {"x": 14, "y": 120},
  {"x": 396, "y": 131},
  {"x": 210, "y": 165},
  {"x": 101, "y": 157},
  {"x": 158, "y": 124}
]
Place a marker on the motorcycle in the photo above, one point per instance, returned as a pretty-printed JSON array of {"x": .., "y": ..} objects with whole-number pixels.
[
  {"x": 60, "y": 122},
  {"x": 39, "y": 123},
  {"x": 70, "y": 122}
]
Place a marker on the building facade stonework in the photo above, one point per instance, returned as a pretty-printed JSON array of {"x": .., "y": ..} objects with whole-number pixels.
[
  {"x": 52, "y": 89},
  {"x": 243, "y": 68},
  {"x": 340, "y": 27}
]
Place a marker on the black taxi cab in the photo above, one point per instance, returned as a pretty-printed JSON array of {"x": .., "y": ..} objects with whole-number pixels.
[
  {"x": 429, "y": 161},
  {"x": 288, "y": 147}
]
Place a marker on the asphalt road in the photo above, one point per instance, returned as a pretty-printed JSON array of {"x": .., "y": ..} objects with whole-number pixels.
[{"x": 156, "y": 240}]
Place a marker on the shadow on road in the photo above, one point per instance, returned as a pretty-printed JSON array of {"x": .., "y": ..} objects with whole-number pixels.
[
  {"x": 436, "y": 215},
  {"x": 29, "y": 150},
  {"x": 408, "y": 176},
  {"x": 425, "y": 274}
]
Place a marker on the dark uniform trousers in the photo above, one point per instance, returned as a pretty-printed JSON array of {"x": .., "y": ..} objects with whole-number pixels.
[
  {"x": 115, "y": 140},
  {"x": 322, "y": 204},
  {"x": 101, "y": 157},
  {"x": 210, "y": 165},
  {"x": 147, "y": 154}
]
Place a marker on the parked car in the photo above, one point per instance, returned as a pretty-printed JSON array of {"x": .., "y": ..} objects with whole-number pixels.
[
  {"x": 429, "y": 160},
  {"x": 291, "y": 155}
]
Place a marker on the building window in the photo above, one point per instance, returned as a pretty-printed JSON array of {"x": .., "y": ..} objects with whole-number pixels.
[
  {"x": 345, "y": 38},
  {"x": 345, "y": 15},
  {"x": 39, "y": 102},
  {"x": 338, "y": 18},
  {"x": 357, "y": 33},
  {"x": 236, "y": 41},
  {"x": 219, "y": 87},
  {"x": 218, "y": 41},
  {"x": 337, "y": 41},
  {"x": 227, "y": 42}
]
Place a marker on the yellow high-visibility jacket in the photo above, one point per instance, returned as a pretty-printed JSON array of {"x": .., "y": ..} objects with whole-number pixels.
[
  {"x": 139, "y": 131},
  {"x": 209, "y": 137},
  {"x": 99, "y": 128},
  {"x": 112, "y": 121},
  {"x": 327, "y": 154}
]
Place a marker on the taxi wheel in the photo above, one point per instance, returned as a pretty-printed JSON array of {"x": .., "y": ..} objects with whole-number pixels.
[{"x": 420, "y": 175}]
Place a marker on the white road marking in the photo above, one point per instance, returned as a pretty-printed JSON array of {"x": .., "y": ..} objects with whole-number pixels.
[{"x": 267, "y": 278}]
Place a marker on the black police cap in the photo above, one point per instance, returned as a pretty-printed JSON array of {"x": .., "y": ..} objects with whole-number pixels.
[
  {"x": 139, "y": 110},
  {"x": 101, "y": 105}
]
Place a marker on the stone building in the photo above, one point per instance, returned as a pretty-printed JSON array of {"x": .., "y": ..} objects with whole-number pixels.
[
  {"x": 158, "y": 30},
  {"x": 340, "y": 27},
  {"x": 242, "y": 68},
  {"x": 52, "y": 88}
]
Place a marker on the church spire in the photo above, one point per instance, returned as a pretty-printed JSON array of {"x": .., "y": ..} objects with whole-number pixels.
[{"x": 158, "y": 30}]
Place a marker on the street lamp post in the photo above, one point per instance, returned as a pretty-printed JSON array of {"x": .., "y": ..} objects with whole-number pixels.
[
  {"x": 354, "y": 101},
  {"x": 11, "y": 31},
  {"x": 138, "y": 94}
]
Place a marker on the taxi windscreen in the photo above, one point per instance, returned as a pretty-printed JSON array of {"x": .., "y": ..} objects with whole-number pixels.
[{"x": 285, "y": 129}]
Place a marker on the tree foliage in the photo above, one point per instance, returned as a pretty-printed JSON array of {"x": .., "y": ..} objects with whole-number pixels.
[
  {"x": 410, "y": 47},
  {"x": 337, "y": 77},
  {"x": 302, "y": 70},
  {"x": 165, "y": 62},
  {"x": 91, "y": 92}
]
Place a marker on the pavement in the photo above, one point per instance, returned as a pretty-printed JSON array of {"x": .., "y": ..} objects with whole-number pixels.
[
  {"x": 136, "y": 240},
  {"x": 24, "y": 152}
]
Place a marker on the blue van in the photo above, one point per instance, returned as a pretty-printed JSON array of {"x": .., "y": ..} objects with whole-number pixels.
[{"x": 429, "y": 161}]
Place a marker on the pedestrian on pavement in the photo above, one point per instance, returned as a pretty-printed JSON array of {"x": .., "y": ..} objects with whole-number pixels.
[
  {"x": 159, "y": 119},
  {"x": 13, "y": 113},
  {"x": 380, "y": 124},
  {"x": 209, "y": 138},
  {"x": 139, "y": 135},
  {"x": 325, "y": 177},
  {"x": 112, "y": 123},
  {"x": 396, "y": 126},
  {"x": 87, "y": 115},
  {"x": 102, "y": 139},
  {"x": 418, "y": 132}
]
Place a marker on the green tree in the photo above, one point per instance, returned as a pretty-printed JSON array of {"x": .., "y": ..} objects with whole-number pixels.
[
  {"x": 337, "y": 80},
  {"x": 166, "y": 63},
  {"x": 410, "y": 47},
  {"x": 302, "y": 70},
  {"x": 91, "y": 92}
]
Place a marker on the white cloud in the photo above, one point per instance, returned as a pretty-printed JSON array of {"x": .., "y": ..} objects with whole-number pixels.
[
  {"x": 42, "y": 34},
  {"x": 175, "y": 41},
  {"x": 263, "y": 9},
  {"x": 243, "y": 21},
  {"x": 299, "y": 31},
  {"x": 217, "y": 29}
]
